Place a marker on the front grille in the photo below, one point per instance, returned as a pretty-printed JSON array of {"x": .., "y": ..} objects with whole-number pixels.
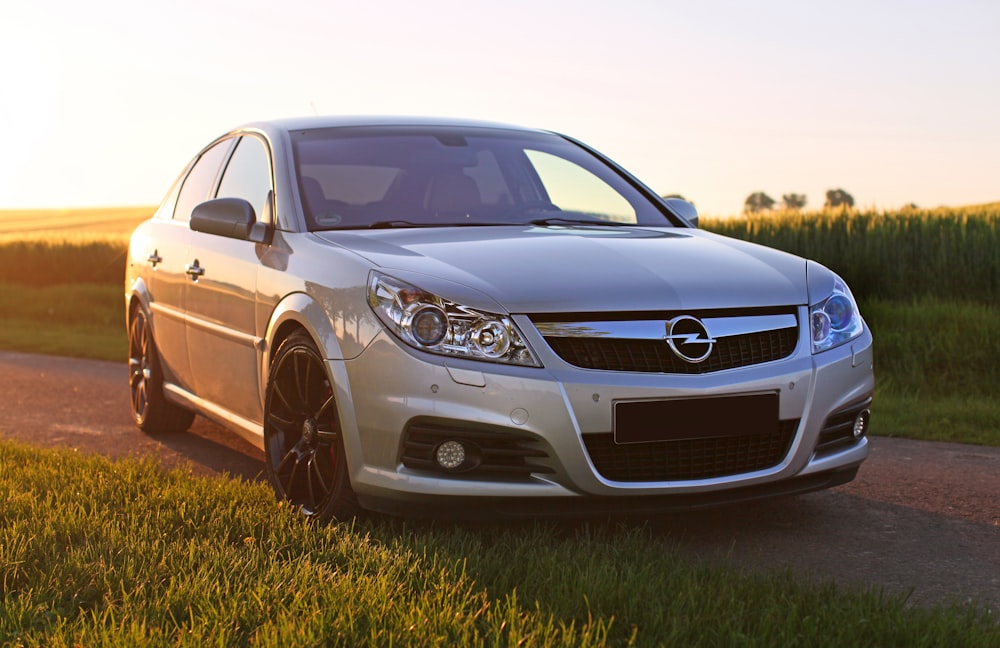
[
  {"x": 689, "y": 458},
  {"x": 838, "y": 429},
  {"x": 655, "y": 356},
  {"x": 505, "y": 453}
]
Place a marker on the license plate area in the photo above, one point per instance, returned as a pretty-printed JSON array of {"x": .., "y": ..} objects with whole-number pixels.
[{"x": 695, "y": 418}]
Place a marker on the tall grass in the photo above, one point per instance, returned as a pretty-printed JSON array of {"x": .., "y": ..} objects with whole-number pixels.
[
  {"x": 936, "y": 346},
  {"x": 80, "y": 320},
  {"x": 949, "y": 253},
  {"x": 94, "y": 552},
  {"x": 69, "y": 260}
]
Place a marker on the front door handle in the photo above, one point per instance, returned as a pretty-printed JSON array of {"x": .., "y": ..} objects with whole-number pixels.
[
  {"x": 195, "y": 270},
  {"x": 154, "y": 258}
]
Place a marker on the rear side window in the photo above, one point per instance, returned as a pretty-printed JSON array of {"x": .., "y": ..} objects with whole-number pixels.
[
  {"x": 166, "y": 208},
  {"x": 200, "y": 181}
]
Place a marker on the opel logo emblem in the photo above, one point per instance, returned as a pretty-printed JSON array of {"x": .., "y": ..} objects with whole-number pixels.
[{"x": 689, "y": 339}]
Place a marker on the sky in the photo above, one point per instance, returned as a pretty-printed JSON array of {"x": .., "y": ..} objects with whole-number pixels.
[{"x": 894, "y": 101}]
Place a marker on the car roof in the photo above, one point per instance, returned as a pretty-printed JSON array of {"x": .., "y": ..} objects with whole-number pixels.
[{"x": 330, "y": 121}]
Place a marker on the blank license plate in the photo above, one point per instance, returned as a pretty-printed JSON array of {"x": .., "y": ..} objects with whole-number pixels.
[{"x": 695, "y": 418}]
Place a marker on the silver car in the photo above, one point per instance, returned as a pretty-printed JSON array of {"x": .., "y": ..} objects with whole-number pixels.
[{"x": 448, "y": 318}]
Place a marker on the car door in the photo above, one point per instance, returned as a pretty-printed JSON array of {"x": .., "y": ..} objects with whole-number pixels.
[
  {"x": 166, "y": 256},
  {"x": 223, "y": 344}
]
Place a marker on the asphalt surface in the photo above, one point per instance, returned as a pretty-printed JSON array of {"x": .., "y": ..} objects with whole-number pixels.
[{"x": 921, "y": 518}]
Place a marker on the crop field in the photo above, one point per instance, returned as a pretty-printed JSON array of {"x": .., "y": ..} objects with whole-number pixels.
[
  {"x": 61, "y": 224},
  {"x": 945, "y": 253},
  {"x": 948, "y": 253}
]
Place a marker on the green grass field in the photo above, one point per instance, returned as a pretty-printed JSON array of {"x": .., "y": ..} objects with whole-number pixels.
[{"x": 95, "y": 552}]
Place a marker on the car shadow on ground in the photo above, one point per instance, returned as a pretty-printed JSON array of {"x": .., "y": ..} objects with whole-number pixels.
[
  {"x": 832, "y": 535},
  {"x": 209, "y": 449}
]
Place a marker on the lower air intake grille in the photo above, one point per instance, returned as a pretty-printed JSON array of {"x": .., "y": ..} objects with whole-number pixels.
[{"x": 690, "y": 458}]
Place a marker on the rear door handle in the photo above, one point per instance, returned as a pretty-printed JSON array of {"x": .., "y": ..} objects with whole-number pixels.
[
  {"x": 154, "y": 258},
  {"x": 194, "y": 270}
]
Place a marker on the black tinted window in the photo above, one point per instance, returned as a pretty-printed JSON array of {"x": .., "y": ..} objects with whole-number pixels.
[
  {"x": 201, "y": 180},
  {"x": 248, "y": 174}
]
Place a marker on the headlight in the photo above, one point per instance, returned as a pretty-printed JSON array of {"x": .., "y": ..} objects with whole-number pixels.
[
  {"x": 431, "y": 323},
  {"x": 835, "y": 320}
]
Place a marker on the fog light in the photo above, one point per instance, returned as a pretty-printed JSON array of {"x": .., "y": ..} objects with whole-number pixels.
[
  {"x": 450, "y": 455},
  {"x": 861, "y": 423}
]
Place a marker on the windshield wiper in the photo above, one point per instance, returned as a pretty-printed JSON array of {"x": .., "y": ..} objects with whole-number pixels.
[
  {"x": 562, "y": 220},
  {"x": 389, "y": 224}
]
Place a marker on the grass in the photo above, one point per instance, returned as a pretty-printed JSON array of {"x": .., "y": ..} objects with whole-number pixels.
[
  {"x": 75, "y": 260},
  {"x": 937, "y": 370},
  {"x": 954, "y": 417},
  {"x": 81, "y": 320},
  {"x": 125, "y": 553},
  {"x": 930, "y": 346}
]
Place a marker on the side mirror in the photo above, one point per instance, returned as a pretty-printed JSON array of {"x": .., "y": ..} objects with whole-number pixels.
[
  {"x": 684, "y": 209},
  {"x": 229, "y": 217}
]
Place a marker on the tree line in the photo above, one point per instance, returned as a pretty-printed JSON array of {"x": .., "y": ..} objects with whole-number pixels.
[{"x": 759, "y": 201}]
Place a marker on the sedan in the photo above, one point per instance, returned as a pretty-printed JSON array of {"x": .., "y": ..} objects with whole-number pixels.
[{"x": 461, "y": 319}]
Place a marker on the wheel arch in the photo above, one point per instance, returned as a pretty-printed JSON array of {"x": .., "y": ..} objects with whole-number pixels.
[
  {"x": 136, "y": 296},
  {"x": 300, "y": 311},
  {"x": 137, "y": 299}
]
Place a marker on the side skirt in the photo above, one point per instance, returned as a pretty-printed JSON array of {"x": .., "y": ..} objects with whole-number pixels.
[{"x": 252, "y": 432}]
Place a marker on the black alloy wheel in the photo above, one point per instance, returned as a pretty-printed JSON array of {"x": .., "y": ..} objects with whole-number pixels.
[
  {"x": 302, "y": 441},
  {"x": 150, "y": 409}
]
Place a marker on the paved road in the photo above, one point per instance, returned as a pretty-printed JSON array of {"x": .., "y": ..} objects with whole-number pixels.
[{"x": 921, "y": 517}]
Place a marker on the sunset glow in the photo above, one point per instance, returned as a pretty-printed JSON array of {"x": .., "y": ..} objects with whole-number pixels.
[{"x": 104, "y": 102}]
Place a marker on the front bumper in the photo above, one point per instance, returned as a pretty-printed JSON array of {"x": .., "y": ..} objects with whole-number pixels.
[
  {"x": 389, "y": 388},
  {"x": 491, "y": 508}
]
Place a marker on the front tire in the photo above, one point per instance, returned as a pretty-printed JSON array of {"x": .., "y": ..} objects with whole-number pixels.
[
  {"x": 150, "y": 409},
  {"x": 303, "y": 445}
]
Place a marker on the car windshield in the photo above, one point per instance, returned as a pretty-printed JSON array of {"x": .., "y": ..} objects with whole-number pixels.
[{"x": 382, "y": 177}]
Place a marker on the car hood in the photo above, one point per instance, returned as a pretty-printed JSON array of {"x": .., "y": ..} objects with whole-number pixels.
[{"x": 582, "y": 269}]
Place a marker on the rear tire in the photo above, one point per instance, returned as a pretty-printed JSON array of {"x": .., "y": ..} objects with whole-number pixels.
[
  {"x": 303, "y": 444},
  {"x": 151, "y": 411}
]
